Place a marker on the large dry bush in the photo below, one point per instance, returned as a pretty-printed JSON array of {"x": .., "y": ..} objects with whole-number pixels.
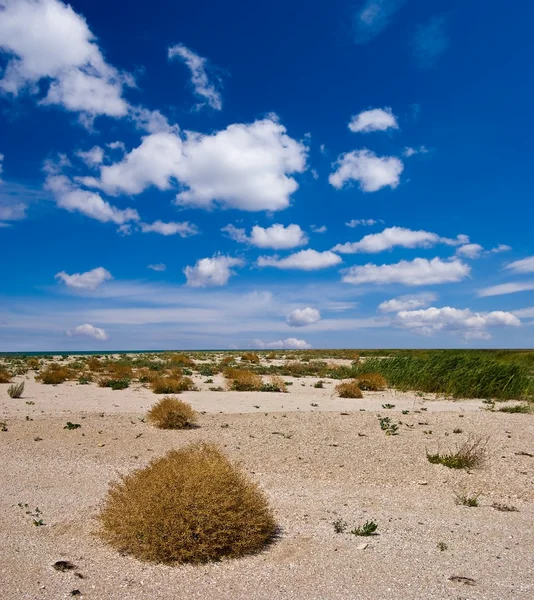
[
  {"x": 181, "y": 360},
  {"x": 172, "y": 385},
  {"x": 54, "y": 374},
  {"x": 192, "y": 505},
  {"x": 242, "y": 380},
  {"x": 251, "y": 357},
  {"x": 5, "y": 376},
  {"x": 171, "y": 413},
  {"x": 372, "y": 382},
  {"x": 349, "y": 389}
]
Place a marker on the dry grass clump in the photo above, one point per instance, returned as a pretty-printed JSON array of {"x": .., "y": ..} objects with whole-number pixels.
[
  {"x": 372, "y": 382},
  {"x": 349, "y": 389},
  {"x": 276, "y": 384},
  {"x": 191, "y": 506},
  {"x": 469, "y": 455},
  {"x": 242, "y": 380},
  {"x": 16, "y": 390},
  {"x": 94, "y": 364},
  {"x": 146, "y": 375},
  {"x": 171, "y": 413},
  {"x": 172, "y": 385},
  {"x": 5, "y": 376},
  {"x": 181, "y": 360},
  {"x": 227, "y": 360},
  {"x": 54, "y": 374},
  {"x": 251, "y": 357}
]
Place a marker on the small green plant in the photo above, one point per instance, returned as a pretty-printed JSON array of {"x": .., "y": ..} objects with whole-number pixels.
[
  {"x": 442, "y": 546},
  {"x": 367, "y": 529},
  {"x": 217, "y": 389},
  {"x": 319, "y": 385},
  {"x": 85, "y": 379},
  {"x": 340, "y": 526},
  {"x": 405, "y": 412},
  {"x": 388, "y": 406},
  {"x": 16, "y": 390},
  {"x": 387, "y": 425},
  {"x": 38, "y": 522},
  {"x": 3, "y": 426},
  {"x": 518, "y": 408},
  {"x": 209, "y": 381},
  {"x": 457, "y": 430},
  {"x": 464, "y": 499},
  {"x": 469, "y": 455},
  {"x": 71, "y": 426}
]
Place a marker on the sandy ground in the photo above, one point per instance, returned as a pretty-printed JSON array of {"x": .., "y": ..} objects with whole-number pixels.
[{"x": 316, "y": 464}]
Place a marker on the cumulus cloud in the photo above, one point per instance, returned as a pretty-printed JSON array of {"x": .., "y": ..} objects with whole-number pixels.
[
  {"x": 90, "y": 280},
  {"x": 376, "y": 119},
  {"x": 319, "y": 229},
  {"x": 93, "y": 157},
  {"x": 506, "y": 288},
  {"x": 373, "y": 17},
  {"x": 301, "y": 317},
  {"x": 305, "y": 260},
  {"x": 397, "y": 237},
  {"x": 476, "y": 250},
  {"x": 184, "y": 229},
  {"x": 211, "y": 272},
  {"x": 409, "y": 151},
  {"x": 199, "y": 77},
  {"x": 365, "y": 222},
  {"x": 408, "y": 302},
  {"x": 75, "y": 199},
  {"x": 372, "y": 172},
  {"x": 276, "y": 236},
  {"x": 88, "y": 330},
  {"x": 430, "y": 41},
  {"x": 46, "y": 39},
  {"x": 525, "y": 265},
  {"x": 473, "y": 325},
  {"x": 243, "y": 166},
  {"x": 158, "y": 267},
  {"x": 289, "y": 343},
  {"x": 419, "y": 271}
]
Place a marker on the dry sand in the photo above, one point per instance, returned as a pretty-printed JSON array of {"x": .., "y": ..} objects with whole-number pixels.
[{"x": 316, "y": 464}]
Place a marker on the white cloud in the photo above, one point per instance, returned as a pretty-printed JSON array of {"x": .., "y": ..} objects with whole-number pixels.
[
  {"x": 46, "y": 39},
  {"x": 11, "y": 208},
  {"x": 527, "y": 313},
  {"x": 419, "y": 271},
  {"x": 376, "y": 119},
  {"x": 289, "y": 343},
  {"x": 210, "y": 272},
  {"x": 506, "y": 288},
  {"x": 1, "y": 166},
  {"x": 409, "y": 302},
  {"x": 470, "y": 250},
  {"x": 151, "y": 121},
  {"x": 276, "y": 236},
  {"x": 319, "y": 229},
  {"x": 409, "y": 151},
  {"x": 397, "y": 236},
  {"x": 243, "y": 166},
  {"x": 184, "y": 229},
  {"x": 90, "y": 280},
  {"x": 300, "y": 317},
  {"x": 373, "y": 17},
  {"x": 199, "y": 77},
  {"x": 525, "y": 265},
  {"x": 305, "y": 260},
  {"x": 473, "y": 325},
  {"x": 365, "y": 222},
  {"x": 430, "y": 41},
  {"x": 372, "y": 172},
  {"x": 117, "y": 146},
  {"x": 91, "y": 204},
  {"x": 158, "y": 267},
  {"x": 88, "y": 330},
  {"x": 93, "y": 157}
]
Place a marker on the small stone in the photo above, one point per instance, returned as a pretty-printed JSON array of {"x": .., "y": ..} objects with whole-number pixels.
[
  {"x": 422, "y": 483},
  {"x": 361, "y": 546}
]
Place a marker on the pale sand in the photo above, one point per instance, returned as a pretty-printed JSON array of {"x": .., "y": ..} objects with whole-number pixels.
[{"x": 315, "y": 464}]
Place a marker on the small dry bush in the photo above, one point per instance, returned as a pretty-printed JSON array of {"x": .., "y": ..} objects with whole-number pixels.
[
  {"x": 227, "y": 360},
  {"x": 181, "y": 360},
  {"x": 54, "y": 374},
  {"x": 16, "y": 390},
  {"x": 372, "y": 382},
  {"x": 33, "y": 363},
  {"x": 191, "y": 506},
  {"x": 172, "y": 385},
  {"x": 118, "y": 371},
  {"x": 94, "y": 364},
  {"x": 349, "y": 389},
  {"x": 171, "y": 413},
  {"x": 5, "y": 376},
  {"x": 276, "y": 384},
  {"x": 242, "y": 380},
  {"x": 146, "y": 375},
  {"x": 469, "y": 455},
  {"x": 251, "y": 358}
]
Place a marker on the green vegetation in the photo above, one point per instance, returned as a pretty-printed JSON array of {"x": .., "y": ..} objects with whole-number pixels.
[
  {"x": 191, "y": 506},
  {"x": 387, "y": 425},
  {"x": 368, "y": 528},
  {"x": 469, "y": 455},
  {"x": 518, "y": 408}
]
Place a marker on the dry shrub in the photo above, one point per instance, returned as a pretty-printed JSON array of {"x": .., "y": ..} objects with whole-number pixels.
[
  {"x": 33, "y": 364},
  {"x": 349, "y": 389},
  {"x": 171, "y": 413},
  {"x": 181, "y": 360},
  {"x": 227, "y": 360},
  {"x": 146, "y": 375},
  {"x": 172, "y": 385},
  {"x": 242, "y": 380},
  {"x": 54, "y": 374},
  {"x": 94, "y": 364},
  {"x": 251, "y": 358},
  {"x": 118, "y": 371},
  {"x": 5, "y": 376},
  {"x": 372, "y": 382},
  {"x": 276, "y": 384},
  {"x": 192, "y": 506}
]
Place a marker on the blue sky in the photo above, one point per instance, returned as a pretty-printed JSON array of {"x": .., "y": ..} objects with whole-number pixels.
[{"x": 303, "y": 175}]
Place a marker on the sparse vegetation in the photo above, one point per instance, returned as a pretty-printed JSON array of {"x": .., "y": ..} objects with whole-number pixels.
[
  {"x": 242, "y": 380},
  {"x": 367, "y": 529},
  {"x": 349, "y": 389},
  {"x": 504, "y": 507},
  {"x": 276, "y": 384},
  {"x": 171, "y": 413},
  {"x": 517, "y": 408},
  {"x": 442, "y": 546},
  {"x": 5, "y": 375},
  {"x": 114, "y": 384},
  {"x": 191, "y": 506},
  {"x": 469, "y": 455},
  {"x": 72, "y": 426},
  {"x": 466, "y": 499},
  {"x": 340, "y": 526},
  {"x": 172, "y": 385},
  {"x": 54, "y": 374},
  {"x": 387, "y": 425},
  {"x": 16, "y": 390}
]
